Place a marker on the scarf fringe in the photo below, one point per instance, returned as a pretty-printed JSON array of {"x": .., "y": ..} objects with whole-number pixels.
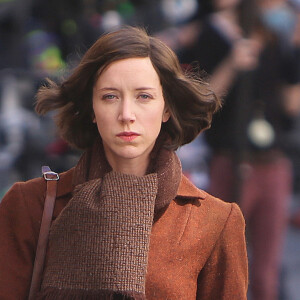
[{"x": 68, "y": 294}]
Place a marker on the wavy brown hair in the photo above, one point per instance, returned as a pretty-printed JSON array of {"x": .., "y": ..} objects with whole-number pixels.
[{"x": 190, "y": 101}]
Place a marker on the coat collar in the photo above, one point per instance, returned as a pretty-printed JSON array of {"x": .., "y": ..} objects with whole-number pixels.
[
  {"x": 65, "y": 185},
  {"x": 186, "y": 188}
]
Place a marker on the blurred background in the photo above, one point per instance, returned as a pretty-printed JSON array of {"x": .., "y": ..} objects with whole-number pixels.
[{"x": 249, "y": 51}]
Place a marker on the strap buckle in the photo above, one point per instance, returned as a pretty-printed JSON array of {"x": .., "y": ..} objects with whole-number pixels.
[
  {"x": 48, "y": 174},
  {"x": 51, "y": 175}
]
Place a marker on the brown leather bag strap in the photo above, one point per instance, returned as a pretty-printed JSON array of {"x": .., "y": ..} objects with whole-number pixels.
[{"x": 51, "y": 178}]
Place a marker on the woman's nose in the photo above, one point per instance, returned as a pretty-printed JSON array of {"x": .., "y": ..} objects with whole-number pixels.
[{"x": 127, "y": 113}]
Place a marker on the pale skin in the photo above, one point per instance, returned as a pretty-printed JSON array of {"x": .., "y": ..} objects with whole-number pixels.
[{"x": 129, "y": 109}]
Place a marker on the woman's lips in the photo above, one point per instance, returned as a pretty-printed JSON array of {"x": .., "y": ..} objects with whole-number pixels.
[{"x": 128, "y": 136}]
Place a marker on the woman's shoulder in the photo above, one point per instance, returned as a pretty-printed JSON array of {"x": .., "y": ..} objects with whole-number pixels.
[
  {"x": 32, "y": 192},
  {"x": 223, "y": 212},
  {"x": 207, "y": 208}
]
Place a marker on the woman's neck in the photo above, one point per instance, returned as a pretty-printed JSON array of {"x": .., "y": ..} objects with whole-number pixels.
[{"x": 134, "y": 166}]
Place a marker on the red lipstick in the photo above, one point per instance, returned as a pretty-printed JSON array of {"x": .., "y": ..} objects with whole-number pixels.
[{"x": 128, "y": 136}]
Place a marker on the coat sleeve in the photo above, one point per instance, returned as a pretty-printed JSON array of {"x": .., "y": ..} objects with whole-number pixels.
[
  {"x": 225, "y": 274},
  {"x": 19, "y": 228}
]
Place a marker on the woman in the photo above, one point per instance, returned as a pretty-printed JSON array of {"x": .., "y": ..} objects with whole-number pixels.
[{"x": 126, "y": 222}]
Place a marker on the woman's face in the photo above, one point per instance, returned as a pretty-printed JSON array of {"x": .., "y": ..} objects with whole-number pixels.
[{"x": 129, "y": 109}]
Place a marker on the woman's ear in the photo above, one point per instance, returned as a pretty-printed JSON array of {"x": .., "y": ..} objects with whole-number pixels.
[
  {"x": 166, "y": 115},
  {"x": 94, "y": 118}
]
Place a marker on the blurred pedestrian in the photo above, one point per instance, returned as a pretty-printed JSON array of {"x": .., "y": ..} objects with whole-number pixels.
[{"x": 252, "y": 65}]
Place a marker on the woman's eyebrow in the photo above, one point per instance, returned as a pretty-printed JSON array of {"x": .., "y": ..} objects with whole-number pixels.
[
  {"x": 107, "y": 89},
  {"x": 115, "y": 89},
  {"x": 145, "y": 88}
]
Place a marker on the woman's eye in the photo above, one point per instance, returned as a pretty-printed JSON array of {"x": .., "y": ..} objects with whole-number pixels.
[
  {"x": 144, "y": 96},
  {"x": 108, "y": 97}
]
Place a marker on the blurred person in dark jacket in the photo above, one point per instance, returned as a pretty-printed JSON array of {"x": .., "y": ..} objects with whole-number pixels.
[{"x": 254, "y": 63}]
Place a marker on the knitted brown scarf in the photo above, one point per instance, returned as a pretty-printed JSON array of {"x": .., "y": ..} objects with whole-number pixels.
[{"x": 98, "y": 245}]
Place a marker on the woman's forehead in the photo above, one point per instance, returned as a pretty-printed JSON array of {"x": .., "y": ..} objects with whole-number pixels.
[{"x": 130, "y": 70}]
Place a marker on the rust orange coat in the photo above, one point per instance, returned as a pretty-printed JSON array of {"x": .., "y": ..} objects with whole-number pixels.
[{"x": 197, "y": 247}]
